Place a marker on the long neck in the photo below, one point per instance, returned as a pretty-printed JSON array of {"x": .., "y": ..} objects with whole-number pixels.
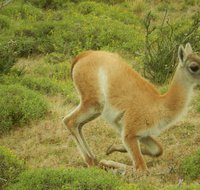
[{"x": 177, "y": 98}]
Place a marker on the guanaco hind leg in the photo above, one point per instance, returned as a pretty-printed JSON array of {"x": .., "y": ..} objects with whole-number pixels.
[
  {"x": 152, "y": 147},
  {"x": 75, "y": 121}
]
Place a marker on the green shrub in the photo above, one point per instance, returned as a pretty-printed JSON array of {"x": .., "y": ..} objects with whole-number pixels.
[
  {"x": 43, "y": 85},
  {"x": 9, "y": 79},
  {"x": 162, "y": 43},
  {"x": 4, "y": 23},
  {"x": 19, "y": 105},
  {"x": 48, "y": 4},
  {"x": 19, "y": 10},
  {"x": 7, "y": 55},
  {"x": 136, "y": 187},
  {"x": 91, "y": 32},
  {"x": 192, "y": 2},
  {"x": 183, "y": 187},
  {"x": 57, "y": 179},
  {"x": 51, "y": 87},
  {"x": 10, "y": 166},
  {"x": 190, "y": 166},
  {"x": 55, "y": 67}
]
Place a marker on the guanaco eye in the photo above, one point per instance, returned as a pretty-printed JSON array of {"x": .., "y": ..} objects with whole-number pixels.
[{"x": 194, "y": 68}]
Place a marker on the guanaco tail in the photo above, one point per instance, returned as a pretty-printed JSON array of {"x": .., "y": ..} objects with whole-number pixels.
[{"x": 110, "y": 87}]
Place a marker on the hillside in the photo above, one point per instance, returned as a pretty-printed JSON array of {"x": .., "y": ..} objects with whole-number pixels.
[{"x": 37, "y": 42}]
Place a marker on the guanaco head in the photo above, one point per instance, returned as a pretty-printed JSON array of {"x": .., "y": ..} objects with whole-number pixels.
[{"x": 189, "y": 62}]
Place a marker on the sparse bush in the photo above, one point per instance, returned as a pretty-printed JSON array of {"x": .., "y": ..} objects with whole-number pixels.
[
  {"x": 192, "y": 2},
  {"x": 59, "y": 179},
  {"x": 43, "y": 85},
  {"x": 183, "y": 187},
  {"x": 51, "y": 87},
  {"x": 4, "y": 22},
  {"x": 190, "y": 167},
  {"x": 112, "y": 2},
  {"x": 7, "y": 55},
  {"x": 48, "y": 4},
  {"x": 20, "y": 10},
  {"x": 10, "y": 167},
  {"x": 19, "y": 105},
  {"x": 9, "y": 79},
  {"x": 58, "y": 71},
  {"x": 136, "y": 187},
  {"x": 162, "y": 43}
]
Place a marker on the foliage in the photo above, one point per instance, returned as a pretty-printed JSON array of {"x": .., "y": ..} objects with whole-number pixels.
[
  {"x": 183, "y": 187},
  {"x": 4, "y": 23},
  {"x": 10, "y": 166},
  {"x": 190, "y": 167},
  {"x": 162, "y": 44},
  {"x": 90, "y": 25},
  {"x": 54, "y": 67},
  {"x": 57, "y": 179},
  {"x": 43, "y": 85},
  {"x": 19, "y": 105},
  {"x": 7, "y": 56},
  {"x": 136, "y": 187},
  {"x": 50, "y": 87}
]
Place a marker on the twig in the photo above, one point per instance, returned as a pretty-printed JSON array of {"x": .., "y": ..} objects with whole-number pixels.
[
  {"x": 1, "y": 179},
  {"x": 3, "y": 4}
]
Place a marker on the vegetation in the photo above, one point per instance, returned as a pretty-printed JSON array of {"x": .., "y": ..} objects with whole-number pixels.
[
  {"x": 190, "y": 167},
  {"x": 161, "y": 49},
  {"x": 19, "y": 105},
  {"x": 10, "y": 166},
  {"x": 38, "y": 39},
  {"x": 57, "y": 179}
]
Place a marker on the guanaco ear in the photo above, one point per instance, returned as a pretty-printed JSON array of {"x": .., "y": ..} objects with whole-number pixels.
[
  {"x": 188, "y": 49},
  {"x": 182, "y": 55}
]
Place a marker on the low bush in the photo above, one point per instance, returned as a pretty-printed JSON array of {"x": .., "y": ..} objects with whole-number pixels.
[
  {"x": 60, "y": 179},
  {"x": 7, "y": 55},
  {"x": 19, "y": 105},
  {"x": 190, "y": 166},
  {"x": 49, "y": 4},
  {"x": 19, "y": 10},
  {"x": 4, "y": 22},
  {"x": 54, "y": 67},
  {"x": 51, "y": 87},
  {"x": 136, "y": 187},
  {"x": 43, "y": 85},
  {"x": 161, "y": 45},
  {"x": 10, "y": 167},
  {"x": 183, "y": 187}
]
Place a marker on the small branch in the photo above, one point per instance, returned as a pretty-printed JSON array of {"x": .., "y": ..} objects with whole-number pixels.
[
  {"x": 3, "y": 4},
  {"x": 1, "y": 179}
]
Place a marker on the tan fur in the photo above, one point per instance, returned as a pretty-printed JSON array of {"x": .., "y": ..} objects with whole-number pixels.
[{"x": 108, "y": 86}]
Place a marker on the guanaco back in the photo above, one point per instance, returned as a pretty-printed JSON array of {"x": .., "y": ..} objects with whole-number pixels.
[{"x": 110, "y": 87}]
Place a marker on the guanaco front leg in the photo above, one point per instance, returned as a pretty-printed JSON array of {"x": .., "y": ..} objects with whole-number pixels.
[
  {"x": 152, "y": 147},
  {"x": 132, "y": 145}
]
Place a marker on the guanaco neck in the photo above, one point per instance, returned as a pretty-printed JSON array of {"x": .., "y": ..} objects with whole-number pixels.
[{"x": 176, "y": 100}]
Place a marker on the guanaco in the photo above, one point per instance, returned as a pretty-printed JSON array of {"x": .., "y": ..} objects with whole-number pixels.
[{"x": 110, "y": 87}]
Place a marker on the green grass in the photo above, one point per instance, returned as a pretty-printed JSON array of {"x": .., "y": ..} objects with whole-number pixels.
[
  {"x": 10, "y": 166},
  {"x": 19, "y": 105},
  {"x": 190, "y": 167},
  {"x": 65, "y": 179}
]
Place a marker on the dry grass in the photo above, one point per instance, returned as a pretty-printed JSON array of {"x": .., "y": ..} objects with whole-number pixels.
[{"x": 47, "y": 143}]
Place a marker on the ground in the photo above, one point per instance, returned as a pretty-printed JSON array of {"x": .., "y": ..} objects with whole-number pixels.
[{"x": 48, "y": 143}]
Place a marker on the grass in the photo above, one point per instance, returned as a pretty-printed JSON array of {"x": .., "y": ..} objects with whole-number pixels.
[{"x": 47, "y": 143}]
